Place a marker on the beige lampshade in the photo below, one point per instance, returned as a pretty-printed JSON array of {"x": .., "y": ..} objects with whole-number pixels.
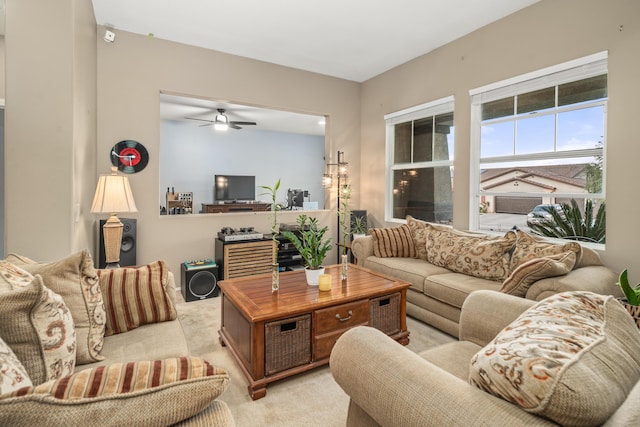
[{"x": 113, "y": 194}]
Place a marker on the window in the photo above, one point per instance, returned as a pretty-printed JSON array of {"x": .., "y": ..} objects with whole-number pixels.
[
  {"x": 420, "y": 163},
  {"x": 541, "y": 140}
]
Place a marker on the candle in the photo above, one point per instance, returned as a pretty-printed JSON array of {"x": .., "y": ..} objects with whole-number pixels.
[{"x": 324, "y": 282}]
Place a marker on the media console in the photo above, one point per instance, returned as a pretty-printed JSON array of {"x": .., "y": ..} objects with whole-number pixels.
[{"x": 234, "y": 207}]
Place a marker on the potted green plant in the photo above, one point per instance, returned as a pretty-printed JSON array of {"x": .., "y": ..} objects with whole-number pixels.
[
  {"x": 632, "y": 296},
  {"x": 359, "y": 227},
  {"x": 275, "y": 232},
  {"x": 311, "y": 244}
]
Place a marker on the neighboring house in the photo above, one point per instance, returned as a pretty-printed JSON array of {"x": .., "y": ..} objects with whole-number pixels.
[{"x": 540, "y": 179}]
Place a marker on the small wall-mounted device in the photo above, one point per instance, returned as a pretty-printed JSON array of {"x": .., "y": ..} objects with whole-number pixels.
[{"x": 109, "y": 36}]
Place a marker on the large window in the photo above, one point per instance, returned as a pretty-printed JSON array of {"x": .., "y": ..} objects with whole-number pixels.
[
  {"x": 420, "y": 163},
  {"x": 541, "y": 141}
]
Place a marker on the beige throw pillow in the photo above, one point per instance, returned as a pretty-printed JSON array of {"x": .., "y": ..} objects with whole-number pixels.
[
  {"x": 529, "y": 272},
  {"x": 13, "y": 375},
  {"x": 136, "y": 296},
  {"x": 149, "y": 393},
  {"x": 75, "y": 280},
  {"x": 418, "y": 231},
  {"x": 529, "y": 247},
  {"x": 474, "y": 255},
  {"x": 393, "y": 242},
  {"x": 36, "y": 323},
  {"x": 572, "y": 358}
]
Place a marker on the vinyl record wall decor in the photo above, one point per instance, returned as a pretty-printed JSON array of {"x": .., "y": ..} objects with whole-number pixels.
[{"x": 129, "y": 156}]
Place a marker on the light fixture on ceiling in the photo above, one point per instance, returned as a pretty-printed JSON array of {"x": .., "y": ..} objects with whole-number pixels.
[{"x": 221, "y": 122}]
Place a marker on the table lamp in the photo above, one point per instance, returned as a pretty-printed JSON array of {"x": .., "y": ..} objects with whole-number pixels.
[{"x": 113, "y": 195}]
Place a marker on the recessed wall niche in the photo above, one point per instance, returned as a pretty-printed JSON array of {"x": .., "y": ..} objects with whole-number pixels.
[{"x": 281, "y": 145}]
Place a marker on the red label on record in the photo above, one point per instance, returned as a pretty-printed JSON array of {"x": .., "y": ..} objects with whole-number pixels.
[{"x": 129, "y": 156}]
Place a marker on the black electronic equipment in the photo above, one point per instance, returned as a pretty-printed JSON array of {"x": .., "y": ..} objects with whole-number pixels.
[
  {"x": 234, "y": 188},
  {"x": 199, "y": 279},
  {"x": 295, "y": 198}
]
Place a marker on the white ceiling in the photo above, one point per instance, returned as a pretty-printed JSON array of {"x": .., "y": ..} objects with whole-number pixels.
[{"x": 349, "y": 39}]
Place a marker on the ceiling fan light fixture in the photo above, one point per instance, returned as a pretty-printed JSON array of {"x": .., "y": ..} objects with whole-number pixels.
[{"x": 221, "y": 122}]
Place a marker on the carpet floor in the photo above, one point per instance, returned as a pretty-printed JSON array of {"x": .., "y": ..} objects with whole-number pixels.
[{"x": 309, "y": 399}]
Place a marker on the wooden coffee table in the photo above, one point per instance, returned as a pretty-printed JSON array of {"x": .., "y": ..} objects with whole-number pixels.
[{"x": 275, "y": 335}]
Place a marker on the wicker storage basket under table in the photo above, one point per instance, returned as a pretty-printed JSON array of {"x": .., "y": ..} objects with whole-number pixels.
[
  {"x": 384, "y": 313},
  {"x": 287, "y": 343}
]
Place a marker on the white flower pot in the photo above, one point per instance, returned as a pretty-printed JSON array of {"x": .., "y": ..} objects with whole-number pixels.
[{"x": 312, "y": 275}]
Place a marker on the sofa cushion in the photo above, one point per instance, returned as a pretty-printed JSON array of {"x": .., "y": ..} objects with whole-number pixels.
[
  {"x": 150, "y": 393},
  {"x": 75, "y": 280},
  {"x": 572, "y": 358},
  {"x": 454, "y": 288},
  {"x": 148, "y": 342},
  {"x": 529, "y": 272},
  {"x": 479, "y": 256},
  {"x": 412, "y": 270},
  {"x": 136, "y": 296},
  {"x": 36, "y": 324},
  {"x": 528, "y": 247},
  {"x": 393, "y": 242},
  {"x": 13, "y": 375}
]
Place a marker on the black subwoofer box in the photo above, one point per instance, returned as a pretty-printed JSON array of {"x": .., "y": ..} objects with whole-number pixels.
[{"x": 199, "y": 280}]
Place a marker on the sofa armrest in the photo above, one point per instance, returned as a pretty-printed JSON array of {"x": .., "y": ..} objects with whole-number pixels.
[
  {"x": 397, "y": 387},
  {"x": 594, "y": 278},
  {"x": 361, "y": 248},
  {"x": 480, "y": 322}
]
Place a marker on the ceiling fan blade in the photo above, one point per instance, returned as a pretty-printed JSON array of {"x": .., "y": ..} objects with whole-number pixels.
[
  {"x": 232, "y": 125},
  {"x": 242, "y": 123},
  {"x": 208, "y": 124},
  {"x": 202, "y": 120}
]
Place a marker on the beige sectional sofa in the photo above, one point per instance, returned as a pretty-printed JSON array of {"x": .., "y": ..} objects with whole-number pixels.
[
  {"x": 444, "y": 266},
  {"x": 585, "y": 373},
  {"x": 99, "y": 347}
]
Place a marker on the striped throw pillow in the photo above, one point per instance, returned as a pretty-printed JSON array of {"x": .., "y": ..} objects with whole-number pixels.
[
  {"x": 393, "y": 242},
  {"x": 529, "y": 272},
  {"x": 149, "y": 393},
  {"x": 136, "y": 296}
]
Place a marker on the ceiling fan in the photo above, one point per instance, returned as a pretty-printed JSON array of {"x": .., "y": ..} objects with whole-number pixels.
[{"x": 222, "y": 122}]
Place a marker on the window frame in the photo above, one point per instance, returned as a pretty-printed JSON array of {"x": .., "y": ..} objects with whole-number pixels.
[
  {"x": 430, "y": 109},
  {"x": 578, "y": 69}
]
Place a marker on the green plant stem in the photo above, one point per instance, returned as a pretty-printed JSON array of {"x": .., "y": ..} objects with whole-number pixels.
[{"x": 275, "y": 230}]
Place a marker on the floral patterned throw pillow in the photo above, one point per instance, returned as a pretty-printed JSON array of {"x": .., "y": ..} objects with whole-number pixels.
[{"x": 572, "y": 358}]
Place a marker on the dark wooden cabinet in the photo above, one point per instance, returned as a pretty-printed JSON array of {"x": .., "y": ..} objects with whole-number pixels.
[{"x": 234, "y": 207}]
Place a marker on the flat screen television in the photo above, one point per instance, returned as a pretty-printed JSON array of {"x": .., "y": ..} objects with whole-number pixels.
[{"x": 234, "y": 188}]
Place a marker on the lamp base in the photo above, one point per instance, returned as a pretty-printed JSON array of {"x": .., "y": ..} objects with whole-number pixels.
[{"x": 112, "y": 231}]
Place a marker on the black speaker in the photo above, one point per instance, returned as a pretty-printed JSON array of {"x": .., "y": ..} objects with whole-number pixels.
[
  {"x": 199, "y": 280},
  {"x": 127, "y": 247}
]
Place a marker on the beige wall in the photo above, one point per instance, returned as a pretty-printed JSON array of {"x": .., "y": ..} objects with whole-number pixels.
[
  {"x": 545, "y": 34},
  {"x": 51, "y": 157},
  {"x": 132, "y": 72},
  {"x": 50, "y": 126}
]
